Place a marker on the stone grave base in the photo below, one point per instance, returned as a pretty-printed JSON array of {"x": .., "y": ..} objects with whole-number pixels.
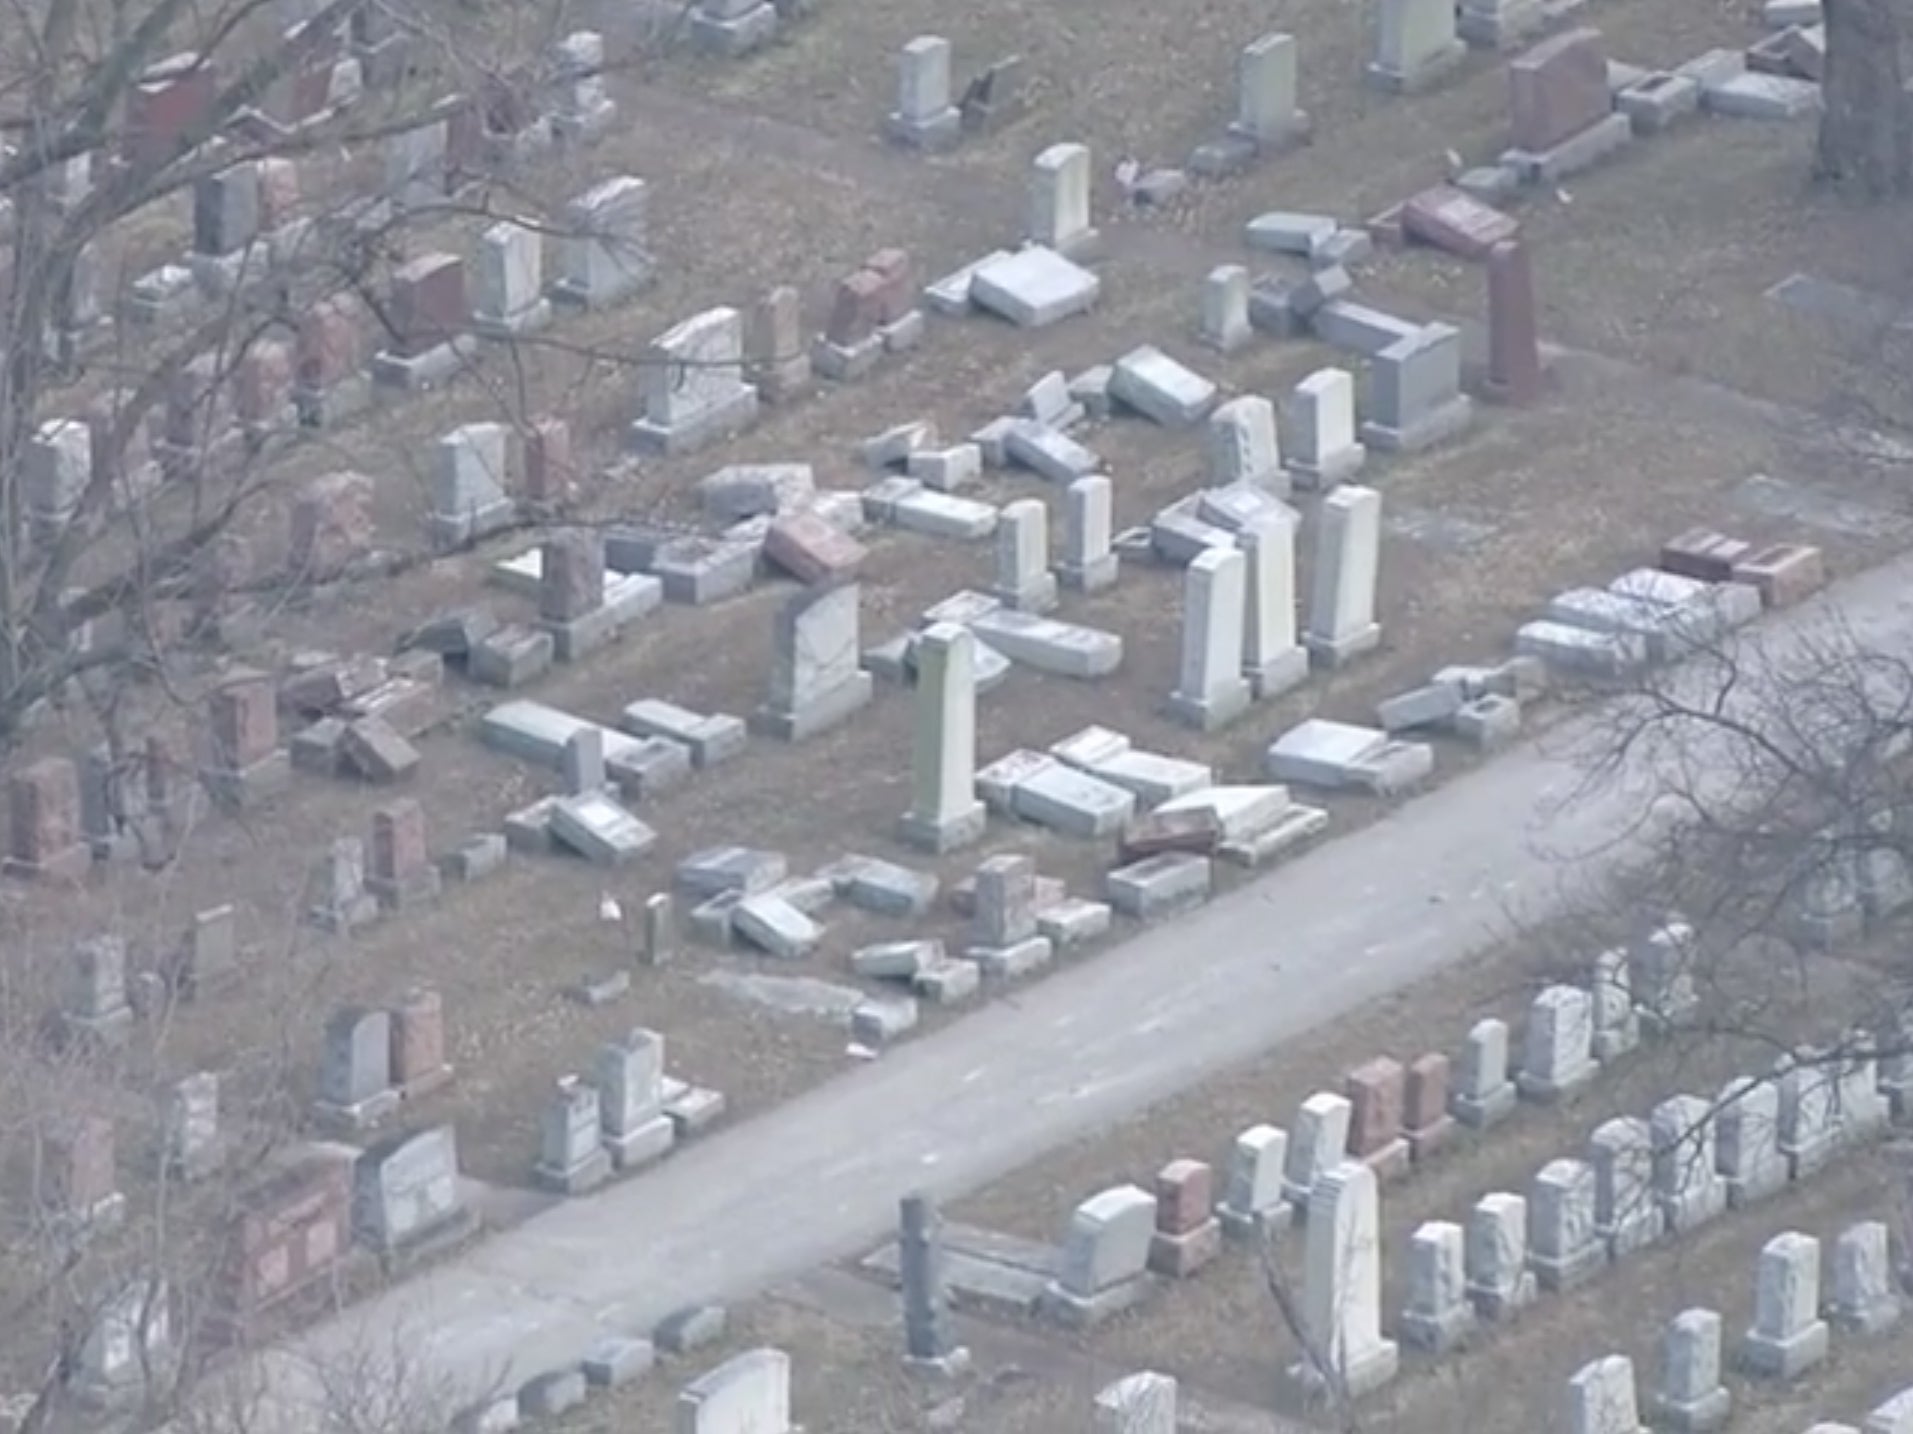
[
  {"x": 1009, "y": 962},
  {"x": 426, "y": 1082},
  {"x": 1212, "y": 714},
  {"x": 842, "y": 363},
  {"x": 823, "y": 712},
  {"x": 1392, "y": 1162},
  {"x": 1493, "y": 1303},
  {"x": 1693, "y": 1416},
  {"x": 418, "y": 1246},
  {"x": 1424, "y": 77},
  {"x": 1505, "y": 25},
  {"x": 361, "y": 1116},
  {"x": 1692, "y": 1208},
  {"x": 1574, "y": 154},
  {"x": 1362, "y": 1373},
  {"x": 329, "y": 407},
  {"x": 70, "y": 863},
  {"x": 1333, "y": 469},
  {"x": 1480, "y": 1112},
  {"x": 587, "y": 1174},
  {"x": 412, "y": 372},
  {"x": 240, "y": 788},
  {"x": 1785, "y": 1359},
  {"x": 1339, "y": 652},
  {"x": 932, "y": 134},
  {"x": 1090, "y": 577},
  {"x": 1256, "y": 1225},
  {"x": 1543, "y": 1091},
  {"x": 749, "y": 31},
  {"x": 1807, "y": 1159},
  {"x": 454, "y": 530},
  {"x": 1448, "y": 421},
  {"x": 584, "y": 127},
  {"x": 1180, "y": 1256},
  {"x": 1634, "y": 1232},
  {"x": 984, "y": 1271},
  {"x": 1299, "y": 824},
  {"x": 581, "y": 294},
  {"x": 650, "y": 1141},
  {"x": 219, "y": 275},
  {"x": 340, "y": 918},
  {"x": 1759, "y": 1184},
  {"x": 717, "y": 421},
  {"x": 1559, "y": 1273},
  {"x": 1282, "y": 673},
  {"x": 1438, "y": 1333},
  {"x": 1074, "y": 1311},
  {"x": 946, "y": 835},
  {"x": 509, "y": 326},
  {"x": 417, "y": 890}
]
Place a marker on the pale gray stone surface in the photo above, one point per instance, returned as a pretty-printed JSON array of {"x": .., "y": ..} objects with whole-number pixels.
[
  {"x": 1159, "y": 388},
  {"x": 1033, "y": 287},
  {"x": 1788, "y": 1336},
  {"x": 1342, "y": 1281},
  {"x": 1499, "y": 1281},
  {"x": 1691, "y": 1398}
]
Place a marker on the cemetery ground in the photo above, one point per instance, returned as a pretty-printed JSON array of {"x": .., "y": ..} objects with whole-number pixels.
[
  {"x": 1220, "y": 1333},
  {"x": 767, "y": 172}
]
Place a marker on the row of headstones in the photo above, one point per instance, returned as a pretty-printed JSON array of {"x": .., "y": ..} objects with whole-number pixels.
[
  {"x": 374, "y": 1058},
  {"x": 350, "y": 892},
  {"x": 1602, "y": 1397},
  {"x": 103, "y": 1000},
  {"x": 748, "y": 1392},
  {"x": 627, "y": 1115},
  {"x": 77, "y": 1168}
]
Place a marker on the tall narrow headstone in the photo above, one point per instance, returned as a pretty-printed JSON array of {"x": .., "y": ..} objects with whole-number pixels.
[
  {"x": 1059, "y": 200},
  {"x": 1438, "y": 1315},
  {"x": 1272, "y": 659},
  {"x": 924, "y": 117},
  {"x": 1864, "y": 1300},
  {"x": 1415, "y": 45},
  {"x": 1691, "y": 1398},
  {"x": 944, "y": 811},
  {"x": 1252, "y": 1202},
  {"x": 1089, "y": 564},
  {"x": 817, "y": 681},
  {"x": 1788, "y": 1336},
  {"x": 1514, "y": 344},
  {"x": 1023, "y": 578},
  {"x": 1499, "y": 1281},
  {"x": 1212, "y": 691},
  {"x": 1341, "y": 619},
  {"x": 1225, "y": 308},
  {"x": 927, "y": 1338},
  {"x": 1342, "y": 1284},
  {"x": 1241, "y": 445},
  {"x": 1266, "y": 112},
  {"x": 630, "y": 1081}
]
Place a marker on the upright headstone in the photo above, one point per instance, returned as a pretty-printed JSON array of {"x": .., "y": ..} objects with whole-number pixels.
[
  {"x": 1105, "y": 1256},
  {"x": 1687, "y": 1181},
  {"x": 470, "y": 484},
  {"x": 571, "y": 1159},
  {"x": 927, "y": 1338},
  {"x": 1499, "y": 1280},
  {"x": 630, "y": 1079},
  {"x": 1089, "y": 564},
  {"x": 1747, "y": 1140},
  {"x": 1211, "y": 691},
  {"x": 419, "y": 1066},
  {"x": 583, "y": 761},
  {"x": 1273, "y": 661},
  {"x": 45, "y": 839},
  {"x": 1342, "y": 1285},
  {"x": 1143, "y": 1403},
  {"x": 1661, "y": 976},
  {"x": 748, "y": 1392},
  {"x": 1252, "y": 1203},
  {"x": 1626, "y": 1214},
  {"x": 405, "y": 1196},
  {"x": 192, "y": 1148},
  {"x": 246, "y": 764},
  {"x": 1438, "y": 1316},
  {"x": 1415, "y": 45},
  {"x": 1557, "y": 1051},
  {"x": 1023, "y": 578},
  {"x": 944, "y": 811},
  {"x": 355, "y": 1072},
  {"x": 584, "y": 111},
  {"x": 1375, "y": 1091},
  {"x": 924, "y": 117},
  {"x": 75, "y": 1176},
  {"x": 428, "y": 322},
  {"x": 1319, "y": 431},
  {"x": 1266, "y": 112},
  {"x": 401, "y": 874},
  {"x": 1059, "y": 200},
  {"x": 660, "y": 929},
  {"x": 508, "y": 281},
  {"x": 1514, "y": 343},
  {"x": 1188, "y": 1234},
  {"x": 1341, "y": 618},
  {"x": 1617, "y": 1025},
  {"x": 128, "y": 1351},
  {"x": 96, "y": 1007},
  {"x": 1691, "y": 1398},
  {"x": 1788, "y": 1336},
  {"x": 602, "y": 256},
  {"x": 1483, "y": 1093},
  {"x": 1319, "y": 1143},
  {"x": 56, "y": 468},
  {"x": 1864, "y": 1299},
  {"x": 817, "y": 681},
  {"x": 1225, "y": 308},
  {"x": 1241, "y": 445},
  {"x": 1601, "y": 1398},
  {"x": 1563, "y": 1249},
  {"x": 776, "y": 358},
  {"x": 1414, "y": 391},
  {"x": 691, "y": 385},
  {"x": 1809, "y": 1119}
]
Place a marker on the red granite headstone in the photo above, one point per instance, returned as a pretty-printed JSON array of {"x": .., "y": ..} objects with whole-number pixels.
[
  {"x": 1185, "y": 1196},
  {"x": 1785, "y": 573},
  {"x": 45, "y": 839},
  {"x": 329, "y": 344},
  {"x": 1425, "y": 1109},
  {"x": 549, "y": 474},
  {"x": 428, "y": 303},
  {"x": 398, "y": 843},
  {"x": 1456, "y": 222},
  {"x": 170, "y": 100},
  {"x": 897, "y": 296},
  {"x": 856, "y": 310},
  {"x": 245, "y": 722},
  {"x": 77, "y": 1170},
  {"x": 1514, "y": 344},
  {"x": 1703, "y": 554},
  {"x": 418, "y": 1043},
  {"x": 1557, "y": 89},
  {"x": 291, "y": 1231},
  {"x": 1374, "y": 1090},
  {"x": 331, "y": 525}
]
